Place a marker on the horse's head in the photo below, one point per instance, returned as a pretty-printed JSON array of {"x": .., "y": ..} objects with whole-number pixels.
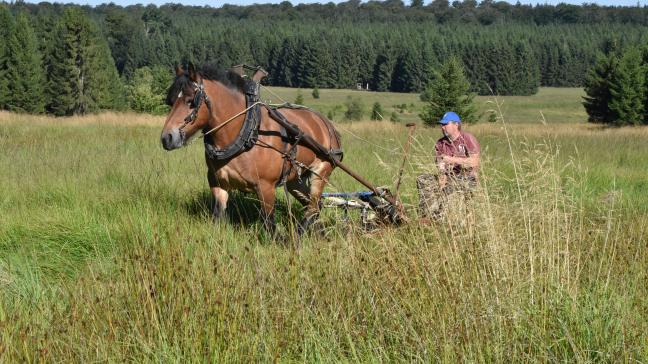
[{"x": 190, "y": 108}]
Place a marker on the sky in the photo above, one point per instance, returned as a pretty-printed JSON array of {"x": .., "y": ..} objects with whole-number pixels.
[{"x": 219, "y": 3}]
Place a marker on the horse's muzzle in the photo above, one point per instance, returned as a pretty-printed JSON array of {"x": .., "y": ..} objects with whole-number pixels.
[{"x": 172, "y": 140}]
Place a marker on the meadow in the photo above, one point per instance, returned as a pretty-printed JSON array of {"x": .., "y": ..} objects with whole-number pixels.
[{"x": 108, "y": 253}]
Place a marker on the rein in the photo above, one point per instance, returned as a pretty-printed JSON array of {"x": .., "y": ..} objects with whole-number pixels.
[{"x": 218, "y": 127}]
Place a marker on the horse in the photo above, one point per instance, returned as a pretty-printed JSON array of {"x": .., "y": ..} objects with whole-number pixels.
[{"x": 271, "y": 157}]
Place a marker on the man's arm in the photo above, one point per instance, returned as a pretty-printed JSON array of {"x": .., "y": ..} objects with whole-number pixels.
[{"x": 471, "y": 162}]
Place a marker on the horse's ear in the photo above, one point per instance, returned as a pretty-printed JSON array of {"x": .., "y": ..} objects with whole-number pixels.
[
  {"x": 178, "y": 70},
  {"x": 193, "y": 75}
]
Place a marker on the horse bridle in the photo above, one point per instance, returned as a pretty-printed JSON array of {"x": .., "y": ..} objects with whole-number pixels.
[{"x": 199, "y": 96}]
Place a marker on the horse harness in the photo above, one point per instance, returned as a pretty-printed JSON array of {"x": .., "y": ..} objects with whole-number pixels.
[
  {"x": 248, "y": 136},
  {"x": 249, "y": 133}
]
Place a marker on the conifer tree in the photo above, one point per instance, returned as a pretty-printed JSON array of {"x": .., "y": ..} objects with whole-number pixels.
[
  {"x": 347, "y": 63},
  {"x": 527, "y": 73},
  {"x": 645, "y": 92},
  {"x": 627, "y": 89},
  {"x": 6, "y": 29},
  {"x": 384, "y": 69},
  {"x": 597, "y": 88},
  {"x": 82, "y": 76},
  {"x": 449, "y": 91},
  {"x": 299, "y": 99},
  {"x": 24, "y": 70}
]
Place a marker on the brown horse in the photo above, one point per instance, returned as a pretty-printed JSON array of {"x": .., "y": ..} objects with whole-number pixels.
[{"x": 206, "y": 99}]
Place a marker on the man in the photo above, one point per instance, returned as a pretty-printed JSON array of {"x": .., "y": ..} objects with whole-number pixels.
[
  {"x": 457, "y": 159},
  {"x": 457, "y": 154}
]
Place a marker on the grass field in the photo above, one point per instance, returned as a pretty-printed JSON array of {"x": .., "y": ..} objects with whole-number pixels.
[
  {"x": 550, "y": 105},
  {"x": 107, "y": 252}
]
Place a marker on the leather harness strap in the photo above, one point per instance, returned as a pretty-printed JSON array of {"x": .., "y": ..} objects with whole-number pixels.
[{"x": 249, "y": 133}]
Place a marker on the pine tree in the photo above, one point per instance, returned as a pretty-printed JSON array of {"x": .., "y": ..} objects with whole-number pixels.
[
  {"x": 384, "y": 69},
  {"x": 299, "y": 99},
  {"x": 347, "y": 63},
  {"x": 6, "y": 29},
  {"x": 24, "y": 69},
  {"x": 82, "y": 76},
  {"x": 409, "y": 71},
  {"x": 104, "y": 85},
  {"x": 527, "y": 72},
  {"x": 597, "y": 88},
  {"x": 627, "y": 89},
  {"x": 645, "y": 92},
  {"x": 449, "y": 91}
]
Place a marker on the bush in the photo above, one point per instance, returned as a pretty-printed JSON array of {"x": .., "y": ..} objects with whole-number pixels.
[
  {"x": 299, "y": 100},
  {"x": 143, "y": 95},
  {"x": 377, "y": 112},
  {"x": 355, "y": 109},
  {"x": 316, "y": 93}
]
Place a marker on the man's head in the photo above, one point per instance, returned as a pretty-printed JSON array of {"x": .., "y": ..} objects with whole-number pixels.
[{"x": 450, "y": 124}]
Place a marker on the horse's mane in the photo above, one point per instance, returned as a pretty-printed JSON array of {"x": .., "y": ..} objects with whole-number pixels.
[{"x": 229, "y": 79}]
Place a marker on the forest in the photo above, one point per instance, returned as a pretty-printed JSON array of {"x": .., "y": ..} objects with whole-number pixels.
[{"x": 68, "y": 59}]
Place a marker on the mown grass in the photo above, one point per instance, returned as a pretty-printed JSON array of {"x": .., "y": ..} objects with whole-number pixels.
[{"x": 107, "y": 253}]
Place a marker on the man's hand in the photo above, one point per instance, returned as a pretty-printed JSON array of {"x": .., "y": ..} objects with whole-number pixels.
[{"x": 472, "y": 161}]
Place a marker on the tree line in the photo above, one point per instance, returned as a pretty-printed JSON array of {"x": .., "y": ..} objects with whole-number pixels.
[{"x": 86, "y": 58}]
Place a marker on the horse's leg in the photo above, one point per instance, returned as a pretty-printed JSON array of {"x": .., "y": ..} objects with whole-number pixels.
[
  {"x": 220, "y": 203},
  {"x": 220, "y": 197},
  {"x": 317, "y": 183},
  {"x": 266, "y": 193},
  {"x": 300, "y": 189}
]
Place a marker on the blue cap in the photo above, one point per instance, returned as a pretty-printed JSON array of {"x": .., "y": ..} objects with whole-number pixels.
[{"x": 450, "y": 117}]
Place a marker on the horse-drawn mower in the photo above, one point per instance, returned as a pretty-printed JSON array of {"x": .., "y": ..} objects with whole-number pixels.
[{"x": 386, "y": 206}]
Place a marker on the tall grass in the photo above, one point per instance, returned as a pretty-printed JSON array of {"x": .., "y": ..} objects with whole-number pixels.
[{"x": 107, "y": 253}]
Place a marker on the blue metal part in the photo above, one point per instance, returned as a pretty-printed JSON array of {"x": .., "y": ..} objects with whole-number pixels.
[{"x": 360, "y": 194}]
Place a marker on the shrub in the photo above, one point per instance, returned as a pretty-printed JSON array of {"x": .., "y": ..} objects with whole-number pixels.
[
  {"x": 355, "y": 109},
  {"x": 142, "y": 94},
  {"x": 377, "y": 111},
  {"x": 299, "y": 100}
]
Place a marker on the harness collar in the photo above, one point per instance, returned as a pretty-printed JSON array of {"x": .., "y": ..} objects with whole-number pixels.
[{"x": 249, "y": 132}]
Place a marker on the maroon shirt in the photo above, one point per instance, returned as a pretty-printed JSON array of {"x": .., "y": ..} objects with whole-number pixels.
[{"x": 464, "y": 146}]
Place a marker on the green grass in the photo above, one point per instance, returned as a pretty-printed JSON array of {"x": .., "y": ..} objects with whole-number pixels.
[
  {"x": 550, "y": 105},
  {"x": 107, "y": 252}
]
